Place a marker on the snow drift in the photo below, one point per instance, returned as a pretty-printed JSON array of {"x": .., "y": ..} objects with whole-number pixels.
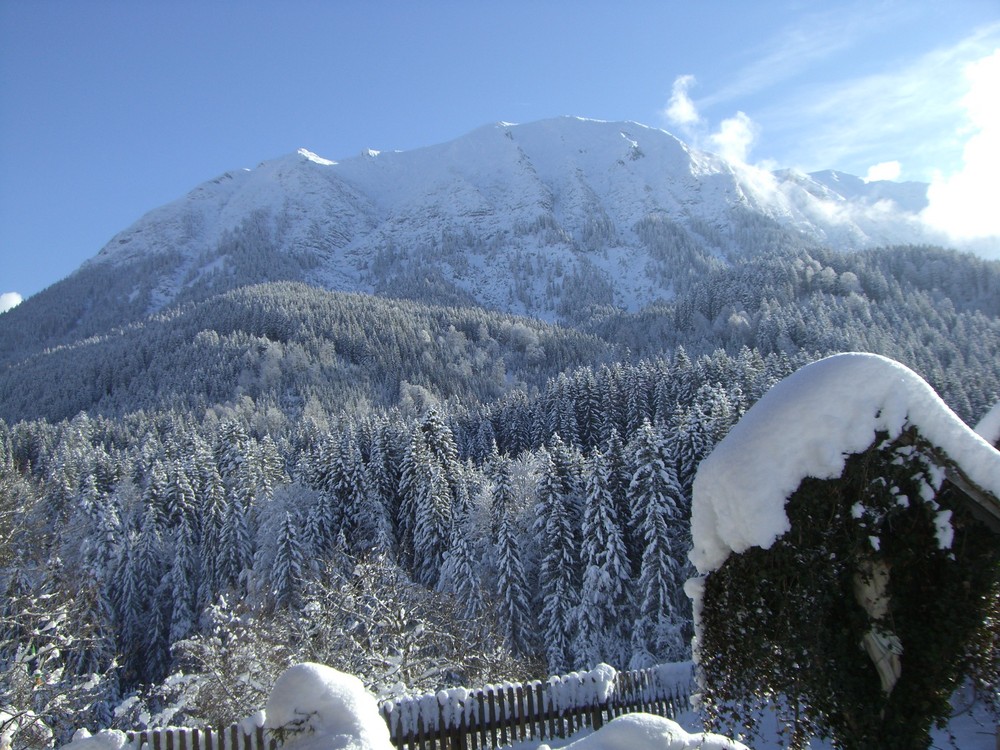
[{"x": 649, "y": 732}]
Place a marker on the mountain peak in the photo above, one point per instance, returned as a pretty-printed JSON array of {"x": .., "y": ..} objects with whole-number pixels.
[
  {"x": 306, "y": 153},
  {"x": 612, "y": 213}
]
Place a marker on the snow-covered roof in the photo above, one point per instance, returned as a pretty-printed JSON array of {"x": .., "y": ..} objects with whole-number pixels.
[{"x": 806, "y": 426}]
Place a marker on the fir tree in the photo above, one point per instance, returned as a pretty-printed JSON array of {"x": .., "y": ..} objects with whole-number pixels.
[
  {"x": 236, "y": 549},
  {"x": 287, "y": 567},
  {"x": 459, "y": 568},
  {"x": 512, "y": 588},
  {"x": 656, "y": 498},
  {"x": 431, "y": 523},
  {"x": 183, "y": 584},
  {"x": 605, "y": 593},
  {"x": 557, "y": 575}
]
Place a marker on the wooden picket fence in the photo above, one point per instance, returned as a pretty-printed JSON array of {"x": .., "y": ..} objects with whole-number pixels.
[
  {"x": 481, "y": 719},
  {"x": 500, "y": 715},
  {"x": 233, "y": 737}
]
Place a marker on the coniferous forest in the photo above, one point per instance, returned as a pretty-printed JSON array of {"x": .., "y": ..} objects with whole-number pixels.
[{"x": 422, "y": 494}]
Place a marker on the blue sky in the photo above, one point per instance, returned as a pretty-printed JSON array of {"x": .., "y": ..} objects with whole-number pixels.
[{"x": 109, "y": 109}]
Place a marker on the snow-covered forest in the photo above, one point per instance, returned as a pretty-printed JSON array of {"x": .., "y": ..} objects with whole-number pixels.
[
  {"x": 211, "y": 472},
  {"x": 156, "y": 535}
]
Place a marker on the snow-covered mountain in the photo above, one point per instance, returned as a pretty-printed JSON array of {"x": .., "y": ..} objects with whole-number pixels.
[{"x": 545, "y": 218}]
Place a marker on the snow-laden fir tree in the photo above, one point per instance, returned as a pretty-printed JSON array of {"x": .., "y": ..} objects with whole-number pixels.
[
  {"x": 656, "y": 499},
  {"x": 512, "y": 588},
  {"x": 460, "y": 568},
  {"x": 384, "y": 465},
  {"x": 287, "y": 567},
  {"x": 692, "y": 441},
  {"x": 271, "y": 467},
  {"x": 619, "y": 477},
  {"x": 318, "y": 533},
  {"x": 364, "y": 518},
  {"x": 179, "y": 499},
  {"x": 154, "y": 495},
  {"x": 214, "y": 509},
  {"x": 131, "y": 599},
  {"x": 183, "y": 583},
  {"x": 605, "y": 595},
  {"x": 231, "y": 450},
  {"x": 235, "y": 549},
  {"x": 430, "y": 495},
  {"x": 557, "y": 574}
]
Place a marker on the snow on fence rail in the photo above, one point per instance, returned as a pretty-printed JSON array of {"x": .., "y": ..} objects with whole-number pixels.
[
  {"x": 235, "y": 737},
  {"x": 478, "y": 719},
  {"x": 498, "y": 715}
]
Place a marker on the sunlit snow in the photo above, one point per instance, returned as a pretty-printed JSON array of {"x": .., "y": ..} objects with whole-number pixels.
[
  {"x": 319, "y": 708},
  {"x": 315, "y": 158},
  {"x": 806, "y": 426},
  {"x": 649, "y": 732}
]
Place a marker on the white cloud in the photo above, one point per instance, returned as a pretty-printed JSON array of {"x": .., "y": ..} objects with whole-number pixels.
[
  {"x": 734, "y": 138},
  {"x": 732, "y": 141},
  {"x": 909, "y": 110},
  {"x": 9, "y": 300},
  {"x": 811, "y": 38},
  {"x": 680, "y": 109},
  {"x": 884, "y": 170},
  {"x": 963, "y": 204}
]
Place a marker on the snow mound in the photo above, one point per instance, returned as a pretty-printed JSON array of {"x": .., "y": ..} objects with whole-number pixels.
[
  {"x": 109, "y": 739},
  {"x": 649, "y": 732},
  {"x": 806, "y": 426},
  {"x": 319, "y": 708}
]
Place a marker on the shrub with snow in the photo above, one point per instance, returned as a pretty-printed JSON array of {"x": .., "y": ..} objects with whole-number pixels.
[
  {"x": 315, "y": 707},
  {"x": 840, "y": 569}
]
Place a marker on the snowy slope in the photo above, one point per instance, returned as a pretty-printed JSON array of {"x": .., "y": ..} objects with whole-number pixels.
[{"x": 544, "y": 218}]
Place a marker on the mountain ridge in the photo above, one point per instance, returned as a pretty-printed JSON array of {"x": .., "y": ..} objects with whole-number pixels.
[
  {"x": 567, "y": 186},
  {"x": 560, "y": 220}
]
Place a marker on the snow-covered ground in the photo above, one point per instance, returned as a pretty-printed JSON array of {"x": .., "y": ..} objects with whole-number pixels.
[{"x": 315, "y": 707}]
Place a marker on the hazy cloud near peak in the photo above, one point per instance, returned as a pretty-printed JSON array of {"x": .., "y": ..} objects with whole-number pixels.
[
  {"x": 9, "y": 300},
  {"x": 884, "y": 170},
  {"x": 680, "y": 110},
  {"x": 733, "y": 139}
]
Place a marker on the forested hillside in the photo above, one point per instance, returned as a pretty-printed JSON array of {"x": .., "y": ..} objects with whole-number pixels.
[
  {"x": 296, "y": 350},
  {"x": 278, "y": 473},
  {"x": 299, "y": 351}
]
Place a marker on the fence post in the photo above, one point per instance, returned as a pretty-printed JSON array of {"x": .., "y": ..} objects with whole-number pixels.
[
  {"x": 521, "y": 718},
  {"x": 481, "y": 703},
  {"x": 501, "y": 714},
  {"x": 596, "y": 719},
  {"x": 512, "y": 718}
]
